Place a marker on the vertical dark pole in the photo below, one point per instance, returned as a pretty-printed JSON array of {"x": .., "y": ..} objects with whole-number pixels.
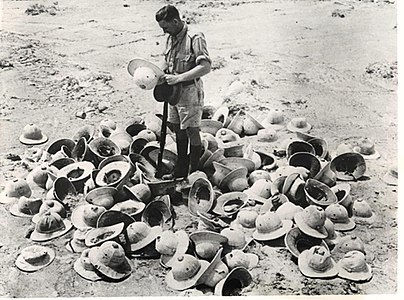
[{"x": 162, "y": 140}]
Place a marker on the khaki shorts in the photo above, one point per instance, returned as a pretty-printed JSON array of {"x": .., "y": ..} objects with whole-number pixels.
[{"x": 188, "y": 111}]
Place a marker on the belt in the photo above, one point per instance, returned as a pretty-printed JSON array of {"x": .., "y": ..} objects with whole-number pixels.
[{"x": 189, "y": 82}]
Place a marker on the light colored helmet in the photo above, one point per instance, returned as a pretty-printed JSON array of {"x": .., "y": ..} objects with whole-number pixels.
[{"x": 145, "y": 78}]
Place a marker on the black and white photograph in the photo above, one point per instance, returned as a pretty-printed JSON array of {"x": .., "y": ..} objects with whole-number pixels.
[{"x": 178, "y": 148}]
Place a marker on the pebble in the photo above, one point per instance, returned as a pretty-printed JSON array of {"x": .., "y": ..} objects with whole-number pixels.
[{"x": 81, "y": 114}]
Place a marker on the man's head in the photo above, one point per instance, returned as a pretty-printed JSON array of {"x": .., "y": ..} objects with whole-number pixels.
[{"x": 169, "y": 20}]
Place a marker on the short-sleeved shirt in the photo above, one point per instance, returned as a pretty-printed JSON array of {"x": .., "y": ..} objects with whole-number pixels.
[{"x": 183, "y": 52}]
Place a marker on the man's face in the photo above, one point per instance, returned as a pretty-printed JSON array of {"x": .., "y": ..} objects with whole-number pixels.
[{"x": 170, "y": 27}]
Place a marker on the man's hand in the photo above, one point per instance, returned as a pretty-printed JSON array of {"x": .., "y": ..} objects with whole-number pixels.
[{"x": 173, "y": 79}]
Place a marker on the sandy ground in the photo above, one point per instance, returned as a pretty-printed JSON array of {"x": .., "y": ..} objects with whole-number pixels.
[{"x": 333, "y": 62}]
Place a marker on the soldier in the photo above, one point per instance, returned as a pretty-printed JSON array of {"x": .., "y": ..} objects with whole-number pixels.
[{"x": 187, "y": 60}]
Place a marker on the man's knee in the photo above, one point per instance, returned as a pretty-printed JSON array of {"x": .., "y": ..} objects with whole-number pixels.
[{"x": 194, "y": 136}]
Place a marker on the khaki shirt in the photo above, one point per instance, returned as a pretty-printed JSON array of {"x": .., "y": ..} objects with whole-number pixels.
[{"x": 184, "y": 51}]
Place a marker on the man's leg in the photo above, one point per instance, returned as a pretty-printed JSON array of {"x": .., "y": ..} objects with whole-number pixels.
[
  {"x": 182, "y": 166},
  {"x": 195, "y": 149}
]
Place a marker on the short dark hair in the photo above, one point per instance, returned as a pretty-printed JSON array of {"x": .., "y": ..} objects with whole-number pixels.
[{"x": 167, "y": 13}]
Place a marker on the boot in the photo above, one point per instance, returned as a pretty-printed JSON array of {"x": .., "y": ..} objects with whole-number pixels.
[
  {"x": 182, "y": 166},
  {"x": 194, "y": 157}
]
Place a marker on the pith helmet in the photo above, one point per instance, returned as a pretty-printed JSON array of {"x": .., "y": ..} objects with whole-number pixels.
[
  {"x": 109, "y": 259},
  {"x": 122, "y": 139},
  {"x": 391, "y": 176},
  {"x": 80, "y": 152},
  {"x": 299, "y": 146},
  {"x": 362, "y": 212},
  {"x": 207, "y": 243},
  {"x": 49, "y": 226},
  {"x": 333, "y": 237},
  {"x": 236, "y": 124},
  {"x": 77, "y": 244},
  {"x": 299, "y": 124},
  {"x": 317, "y": 263},
  {"x": 343, "y": 193},
  {"x": 86, "y": 215},
  {"x": 269, "y": 226},
  {"x": 320, "y": 147},
  {"x": 226, "y": 135},
  {"x": 326, "y": 175},
  {"x": 15, "y": 189},
  {"x": 353, "y": 266},
  {"x": 318, "y": 193},
  {"x": 201, "y": 196},
  {"x": 102, "y": 147},
  {"x": 87, "y": 131},
  {"x": 246, "y": 217},
  {"x": 34, "y": 258},
  {"x": 50, "y": 205},
  {"x": 338, "y": 214},
  {"x": 288, "y": 210},
  {"x": 366, "y": 148},
  {"x": 212, "y": 142},
  {"x": 238, "y": 258},
  {"x": 167, "y": 93},
  {"x": 348, "y": 166},
  {"x": 311, "y": 221},
  {"x": 216, "y": 271},
  {"x": 77, "y": 173},
  {"x": 185, "y": 272},
  {"x": 62, "y": 188},
  {"x": 139, "y": 192},
  {"x": 210, "y": 126},
  {"x": 159, "y": 212},
  {"x": 32, "y": 135},
  {"x": 236, "y": 180},
  {"x": 221, "y": 171},
  {"x": 251, "y": 125},
  {"x": 114, "y": 174},
  {"x": 348, "y": 243},
  {"x": 85, "y": 268},
  {"x": 57, "y": 145},
  {"x": 26, "y": 207},
  {"x": 230, "y": 203},
  {"x": 258, "y": 174},
  {"x": 97, "y": 236},
  {"x": 260, "y": 190},
  {"x": 268, "y": 135},
  {"x": 238, "y": 278},
  {"x": 102, "y": 196},
  {"x": 252, "y": 155},
  {"x": 145, "y": 74},
  {"x": 237, "y": 162},
  {"x": 112, "y": 217},
  {"x": 216, "y": 156},
  {"x": 236, "y": 238},
  {"x": 222, "y": 115},
  {"x": 297, "y": 241},
  {"x": 306, "y": 160},
  {"x": 293, "y": 188},
  {"x": 274, "y": 120},
  {"x": 131, "y": 207},
  {"x": 141, "y": 234},
  {"x": 38, "y": 176},
  {"x": 171, "y": 245}
]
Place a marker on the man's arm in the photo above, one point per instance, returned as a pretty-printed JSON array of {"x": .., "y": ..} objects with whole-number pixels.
[{"x": 198, "y": 71}]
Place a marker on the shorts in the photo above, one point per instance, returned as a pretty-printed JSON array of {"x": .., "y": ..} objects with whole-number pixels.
[{"x": 188, "y": 111}]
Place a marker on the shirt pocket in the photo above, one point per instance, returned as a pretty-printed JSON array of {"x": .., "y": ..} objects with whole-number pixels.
[{"x": 186, "y": 62}]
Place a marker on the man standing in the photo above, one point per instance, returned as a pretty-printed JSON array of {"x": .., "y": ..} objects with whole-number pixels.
[{"x": 187, "y": 60}]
